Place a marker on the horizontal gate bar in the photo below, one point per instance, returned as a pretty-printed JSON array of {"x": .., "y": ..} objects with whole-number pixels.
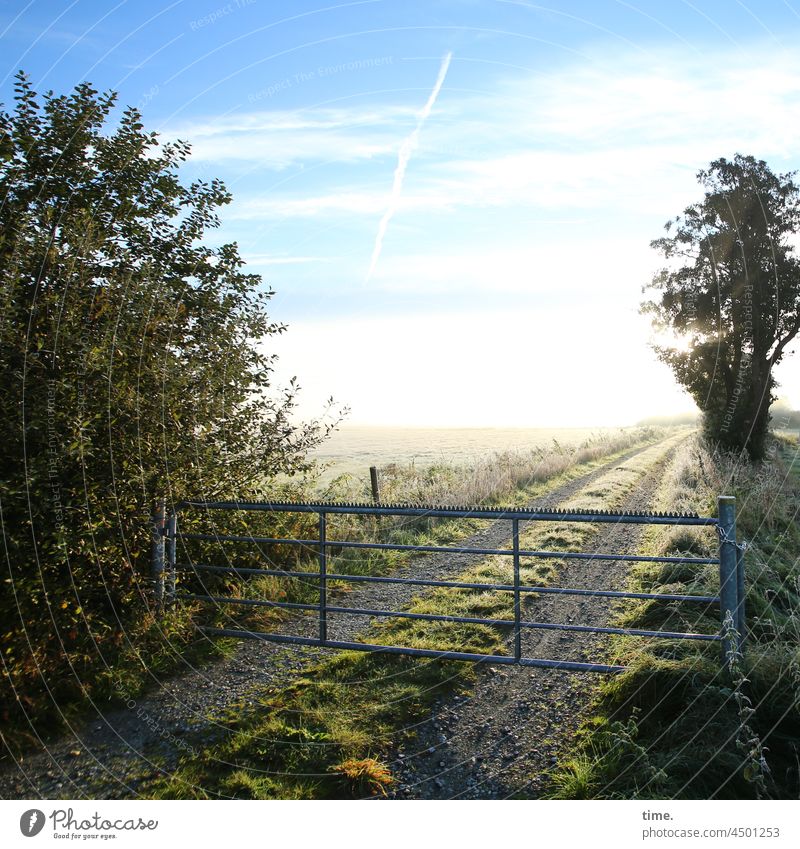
[
  {"x": 567, "y": 665},
  {"x": 467, "y": 620},
  {"x": 254, "y": 602},
  {"x": 531, "y": 514},
  {"x": 247, "y": 538},
  {"x": 424, "y": 582},
  {"x": 551, "y": 555}
]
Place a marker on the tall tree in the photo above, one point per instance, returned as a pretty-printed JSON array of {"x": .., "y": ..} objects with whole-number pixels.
[
  {"x": 132, "y": 365},
  {"x": 730, "y": 296}
]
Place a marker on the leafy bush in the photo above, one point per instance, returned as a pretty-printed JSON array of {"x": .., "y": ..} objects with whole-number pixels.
[{"x": 130, "y": 369}]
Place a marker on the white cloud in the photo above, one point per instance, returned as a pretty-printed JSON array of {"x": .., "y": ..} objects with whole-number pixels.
[
  {"x": 627, "y": 135},
  {"x": 361, "y": 203},
  {"x": 665, "y": 94},
  {"x": 272, "y": 259},
  {"x": 322, "y": 118},
  {"x": 279, "y": 139},
  {"x": 569, "y": 262},
  {"x": 636, "y": 179}
]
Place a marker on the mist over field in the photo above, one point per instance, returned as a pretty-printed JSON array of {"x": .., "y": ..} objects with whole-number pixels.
[{"x": 353, "y": 449}]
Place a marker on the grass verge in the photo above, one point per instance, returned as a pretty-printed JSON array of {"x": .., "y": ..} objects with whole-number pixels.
[{"x": 675, "y": 725}]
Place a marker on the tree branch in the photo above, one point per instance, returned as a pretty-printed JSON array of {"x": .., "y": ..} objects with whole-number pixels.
[{"x": 777, "y": 353}]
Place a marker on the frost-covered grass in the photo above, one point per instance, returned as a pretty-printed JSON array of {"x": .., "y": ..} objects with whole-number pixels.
[{"x": 676, "y": 725}]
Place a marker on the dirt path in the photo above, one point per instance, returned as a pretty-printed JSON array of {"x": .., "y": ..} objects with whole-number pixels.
[
  {"x": 122, "y": 748},
  {"x": 501, "y": 741}
]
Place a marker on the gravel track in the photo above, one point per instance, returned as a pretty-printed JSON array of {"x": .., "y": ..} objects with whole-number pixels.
[
  {"x": 121, "y": 749},
  {"x": 503, "y": 739}
]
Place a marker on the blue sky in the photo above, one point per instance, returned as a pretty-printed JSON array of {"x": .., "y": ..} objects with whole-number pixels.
[{"x": 561, "y": 137}]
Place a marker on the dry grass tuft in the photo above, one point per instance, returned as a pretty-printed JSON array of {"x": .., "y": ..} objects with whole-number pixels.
[{"x": 366, "y": 776}]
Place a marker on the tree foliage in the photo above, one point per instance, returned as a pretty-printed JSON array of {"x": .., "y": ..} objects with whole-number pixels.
[
  {"x": 132, "y": 366},
  {"x": 730, "y": 296}
]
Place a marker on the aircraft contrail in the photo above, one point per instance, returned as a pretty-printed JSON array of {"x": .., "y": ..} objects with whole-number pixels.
[{"x": 402, "y": 162}]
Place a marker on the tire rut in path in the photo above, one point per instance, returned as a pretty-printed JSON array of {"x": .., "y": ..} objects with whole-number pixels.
[
  {"x": 122, "y": 748},
  {"x": 501, "y": 740}
]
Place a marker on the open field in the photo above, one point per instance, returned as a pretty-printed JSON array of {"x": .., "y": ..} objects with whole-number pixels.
[{"x": 353, "y": 449}]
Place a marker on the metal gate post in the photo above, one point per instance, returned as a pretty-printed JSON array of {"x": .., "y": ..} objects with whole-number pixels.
[
  {"x": 728, "y": 577},
  {"x": 323, "y": 580},
  {"x": 741, "y": 623},
  {"x": 157, "y": 554},
  {"x": 172, "y": 531},
  {"x": 517, "y": 611}
]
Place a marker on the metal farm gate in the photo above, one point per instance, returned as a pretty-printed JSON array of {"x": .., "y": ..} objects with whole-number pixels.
[{"x": 730, "y": 561}]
